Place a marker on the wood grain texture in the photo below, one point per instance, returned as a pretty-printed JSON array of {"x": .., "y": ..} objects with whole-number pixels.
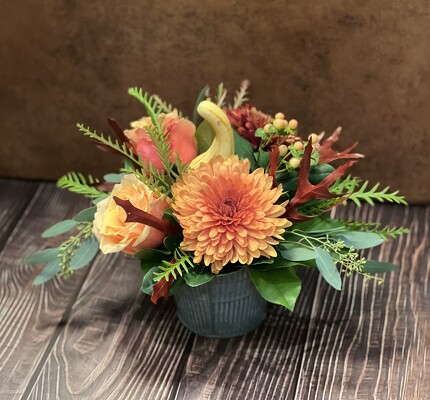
[
  {"x": 372, "y": 341},
  {"x": 116, "y": 343},
  {"x": 97, "y": 337},
  {"x": 14, "y": 198},
  {"x": 29, "y": 315}
]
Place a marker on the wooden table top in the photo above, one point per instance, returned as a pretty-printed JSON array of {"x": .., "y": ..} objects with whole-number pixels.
[{"x": 96, "y": 336}]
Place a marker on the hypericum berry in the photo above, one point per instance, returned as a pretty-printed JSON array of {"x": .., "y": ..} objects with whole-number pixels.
[
  {"x": 283, "y": 150},
  {"x": 279, "y": 115},
  {"x": 267, "y": 128},
  {"x": 298, "y": 145},
  {"x": 293, "y": 124},
  {"x": 313, "y": 137},
  {"x": 279, "y": 123},
  {"x": 294, "y": 162}
]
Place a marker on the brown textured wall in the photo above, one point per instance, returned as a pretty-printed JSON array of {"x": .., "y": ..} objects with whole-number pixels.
[{"x": 363, "y": 65}]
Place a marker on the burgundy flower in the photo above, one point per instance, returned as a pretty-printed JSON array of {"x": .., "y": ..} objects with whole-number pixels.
[{"x": 247, "y": 120}]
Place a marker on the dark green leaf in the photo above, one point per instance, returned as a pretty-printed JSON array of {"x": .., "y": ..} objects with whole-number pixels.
[
  {"x": 374, "y": 267},
  {"x": 327, "y": 268},
  {"x": 263, "y": 159},
  {"x": 177, "y": 285},
  {"x": 168, "y": 215},
  {"x": 298, "y": 254},
  {"x": 150, "y": 258},
  {"x": 278, "y": 286},
  {"x": 204, "y": 136},
  {"x": 361, "y": 240},
  {"x": 198, "y": 276},
  {"x": 320, "y": 224},
  {"x": 85, "y": 253},
  {"x": 86, "y": 215},
  {"x": 200, "y": 98},
  {"x": 49, "y": 272},
  {"x": 59, "y": 228},
  {"x": 244, "y": 149},
  {"x": 42, "y": 256},
  {"x": 171, "y": 243}
]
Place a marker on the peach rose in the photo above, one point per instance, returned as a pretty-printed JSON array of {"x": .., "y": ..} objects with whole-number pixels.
[
  {"x": 109, "y": 226},
  {"x": 181, "y": 139}
]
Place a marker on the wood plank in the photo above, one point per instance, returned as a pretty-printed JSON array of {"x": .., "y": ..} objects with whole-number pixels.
[
  {"x": 29, "y": 315},
  {"x": 371, "y": 341},
  {"x": 14, "y": 198},
  {"x": 116, "y": 343}
]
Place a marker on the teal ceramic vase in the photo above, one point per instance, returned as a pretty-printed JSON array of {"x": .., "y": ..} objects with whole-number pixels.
[{"x": 227, "y": 306}]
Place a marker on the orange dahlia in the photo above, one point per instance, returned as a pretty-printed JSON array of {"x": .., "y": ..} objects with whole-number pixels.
[{"x": 228, "y": 214}]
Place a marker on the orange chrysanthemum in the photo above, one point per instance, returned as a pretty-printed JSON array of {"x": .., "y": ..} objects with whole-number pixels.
[{"x": 228, "y": 214}]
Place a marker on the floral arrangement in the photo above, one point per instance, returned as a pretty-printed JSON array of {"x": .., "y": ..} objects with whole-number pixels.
[{"x": 231, "y": 188}]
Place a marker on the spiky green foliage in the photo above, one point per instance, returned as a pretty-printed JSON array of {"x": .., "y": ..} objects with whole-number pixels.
[
  {"x": 375, "y": 227},
  {"x": 345, "y": 185},
  {"x": 78, "y": 183},
  {"x": 115, "y": 145},
  {"x": 150, "y": 177},
  {"x": 164, "y": 106},
  {"x": 181, "y": 263},
  {"x": 220, "y": 95}
]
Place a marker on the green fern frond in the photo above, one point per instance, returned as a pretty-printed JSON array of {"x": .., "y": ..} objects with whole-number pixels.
[
  {"x": 375, "y": 227},
  {"x": 77, "y": 183},
  {"x": 345, "y": 186},
  {"x": 374, "y": 194},
  {"x": 118, "y": 147},
  {"x": 181, "y": 263},
  {"x": 165, "y": 107}
]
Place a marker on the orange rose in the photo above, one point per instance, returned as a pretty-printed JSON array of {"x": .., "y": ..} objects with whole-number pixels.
[
  {"x": 181, "y": 139},
  {"x": 109, "y": 226}
]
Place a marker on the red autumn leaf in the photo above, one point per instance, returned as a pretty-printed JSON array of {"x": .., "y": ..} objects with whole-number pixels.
[
  {"x": 161, "y": 289},
  {"x": 273, "y": 163},
  {"x": 327, "y": 154},
  {"x": 136, "y": 215},
  {"x": 118, "y": 131},
  {"x": 306, "y": 191}
]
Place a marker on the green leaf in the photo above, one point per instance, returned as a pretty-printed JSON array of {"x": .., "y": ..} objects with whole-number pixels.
[
  {"x": 49, "y": 272},
  {"x": 320, "y": 224},
  {"x": 85, "y": 253},
  {"x": 59, "y": 228},
  {"x": 374, "y": 267},
  {"x": 298, "y": 254},
  {"x": 204, "y": 136},
  {"x": 278, "y": 286},
  {"x": 198, "y": 276},
  {"x": 263, "y": 159},
  {"x": 168, "y": 215},
  {"x": 327, "y": 268},
  {"x": 244, "y": 149},
  {"x": 200, "y": 98},
  {"x": 148, "y": 280},
  {"x": 177, "y": 285},
  {"x": 261, "y": 134},
  {"x": 361, "y": 240},
  {"x": 150, "y": 258},
  {"x": 171, "y": 243},
  {"x": 42, "y": 256},
  {"x": 113, "y": 178},
  {"x": 86, "y": 215}
]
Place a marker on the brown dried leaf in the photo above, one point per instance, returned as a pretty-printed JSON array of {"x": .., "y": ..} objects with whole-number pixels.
[{"x": 327, "y": 154}]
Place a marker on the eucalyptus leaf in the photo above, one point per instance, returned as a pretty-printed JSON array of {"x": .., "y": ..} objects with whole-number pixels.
[
  {"x": 375, "y": 267},
  {"x": 361, "y": 240},
  {"x": 198, "y": 276},
  {"x": 49, "y": 272},
  {"x": 327, "y": 268},
  {"x": 113, "y": 178},
  {"x": 298, "y": 254},
  {"x": 42, "y": 256},
  {"x": 278, "y": 286},
  {"x": 244, "y": 150},
  {"x": 59, "y": 228},
  {"x": 86, "y": 215},
  {"x": 148, "y": 281},
  {"x": 320, "y": 224},
  {"x": 85, "y": 253}
]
